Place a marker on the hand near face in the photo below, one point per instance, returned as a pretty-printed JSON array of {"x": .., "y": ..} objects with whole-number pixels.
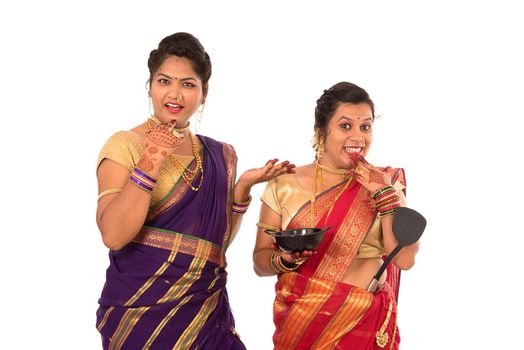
[
  {"x": 159, "y": 143},
  {"x": 271, "y": 170},
  {"x": 370, "y": 177}
]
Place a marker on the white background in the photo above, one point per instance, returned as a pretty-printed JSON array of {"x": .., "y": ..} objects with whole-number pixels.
[{"x": 445, "y": 75}]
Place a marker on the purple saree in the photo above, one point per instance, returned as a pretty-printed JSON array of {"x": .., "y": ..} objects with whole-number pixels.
[{"x": 167, "y": 288}]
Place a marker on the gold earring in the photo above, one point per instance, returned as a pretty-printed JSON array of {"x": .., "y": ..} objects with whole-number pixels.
[
  {"x": 198, "y": 118},
  {"x": 150, "y": 107},
  {"x": 320, "y": 146}
]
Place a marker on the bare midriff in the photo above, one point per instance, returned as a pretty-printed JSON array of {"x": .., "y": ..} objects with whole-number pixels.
[{"x": 361, "y": 272}]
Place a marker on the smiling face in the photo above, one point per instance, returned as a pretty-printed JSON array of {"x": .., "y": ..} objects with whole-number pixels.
[
  {"x": 349, "y": 132},
  {"x": 176, "y": 91}
]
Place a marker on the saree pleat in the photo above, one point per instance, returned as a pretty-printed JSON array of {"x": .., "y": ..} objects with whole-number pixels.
[
  {"x": 313, "y": 309},
  {"x": 166, "y": 289}
]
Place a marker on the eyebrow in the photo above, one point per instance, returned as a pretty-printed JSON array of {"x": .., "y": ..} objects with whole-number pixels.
[
  {"x": 349, "y": 118},
  {"x": 181, "y": 79}
]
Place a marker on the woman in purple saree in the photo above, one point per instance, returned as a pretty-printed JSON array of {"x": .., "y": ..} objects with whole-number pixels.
[{"x": 168, "y": 209}]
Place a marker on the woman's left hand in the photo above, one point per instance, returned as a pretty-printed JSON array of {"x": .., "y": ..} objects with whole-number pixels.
[
  {"x": 370, "y": 177},
  {"x": 271, "y": 170}
]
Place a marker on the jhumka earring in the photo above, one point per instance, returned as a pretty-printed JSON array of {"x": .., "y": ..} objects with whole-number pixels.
[
  {"x": 150, "y": 104},
  {"x": 320, "y": 147},
  {"x": 198, "y": 118}
]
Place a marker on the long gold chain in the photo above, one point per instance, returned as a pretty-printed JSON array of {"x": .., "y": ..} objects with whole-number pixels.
[
  {"x": 180, "y": 168},
  {"x": 318, "y": 174},
  {"x": 344, "y": 172},
  {"x": 183, "y": 170}
]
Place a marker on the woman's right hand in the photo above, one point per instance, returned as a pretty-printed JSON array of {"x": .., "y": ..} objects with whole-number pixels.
[
  {"x": 296, "y": 257},
  {"x": 159, "y": 143}
]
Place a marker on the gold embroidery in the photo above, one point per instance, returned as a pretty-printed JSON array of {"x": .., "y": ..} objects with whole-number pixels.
[
  {"x": 267, "y": 227},
  {"x": 180, "y": 243}
]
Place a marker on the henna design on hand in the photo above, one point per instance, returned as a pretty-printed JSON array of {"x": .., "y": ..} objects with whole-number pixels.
[
  {"x": 162, "y": 137},
  {"x": 377, "y": 176},
  {"x": 146, "y": 164}
]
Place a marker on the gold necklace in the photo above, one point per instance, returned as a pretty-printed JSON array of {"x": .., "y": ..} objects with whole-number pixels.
[
  {"x": 344, "y": 172},
  {"x": 318, "y": 173},
  {"x": 193, "y": 173},
  {"x": 152, "y": 121},
  {"x": 182, "y": 169}
]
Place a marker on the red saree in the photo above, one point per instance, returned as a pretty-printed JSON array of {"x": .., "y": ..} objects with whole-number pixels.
[{"x": 313, "y": 309}]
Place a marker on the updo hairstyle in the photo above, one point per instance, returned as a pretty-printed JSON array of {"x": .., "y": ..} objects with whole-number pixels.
[
  {"x": 342, "y": 92},
  {"x": 182, "y": 45}
]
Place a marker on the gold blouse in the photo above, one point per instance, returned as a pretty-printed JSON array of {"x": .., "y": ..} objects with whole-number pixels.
[
  {"x": 125, "y": 148},
  {"x": 285, "y": 196}
]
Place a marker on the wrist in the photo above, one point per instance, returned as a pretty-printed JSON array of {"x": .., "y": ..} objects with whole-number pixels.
[{"x": 242, "y": 192}]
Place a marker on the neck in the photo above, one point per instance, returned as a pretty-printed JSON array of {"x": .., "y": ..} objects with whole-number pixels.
[
  {"x": 331, "y": 170},
  {"x": 152, "y": 121}
]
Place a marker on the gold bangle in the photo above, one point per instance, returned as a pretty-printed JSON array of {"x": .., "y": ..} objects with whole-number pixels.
[
  {"x": 267, "y": 227},
  {"x": 280, "y": 262},
  {"x": 274, "y": 264},
  {"x": 109, "y": 191},
  {"x": 243, "y": 203}
]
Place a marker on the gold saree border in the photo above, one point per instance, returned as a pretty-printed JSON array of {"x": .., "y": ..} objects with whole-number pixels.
[
  {"x": 191, "y": 332},
  {"x": 323, "y": 202},
  {"x": 126, "y": 325},
  {"x": 180, "y": 188},
  {"x": 348, "y": 238},
  {"x": 304, "y": 310},
  {"x": 177, "y": 290},
  {"x": 231, "y": 166},
  {"x": 354, "y": 307},
  {"x": 181, "y": 243}
]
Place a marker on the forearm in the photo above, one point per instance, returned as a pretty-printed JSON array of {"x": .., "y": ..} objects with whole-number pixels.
[
  {"x": 121, "y": 219},
  {"x": 405, "y": 258},
  {"x": 240, "y": 195},
  {"x": 124, "y": 216},
  {"x": 262, "y": 262}
]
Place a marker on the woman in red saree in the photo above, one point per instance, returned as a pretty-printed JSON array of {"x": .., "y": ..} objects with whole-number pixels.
[
  {"x": 322, "y": 300},
  {"x": 168, "y": 209}
]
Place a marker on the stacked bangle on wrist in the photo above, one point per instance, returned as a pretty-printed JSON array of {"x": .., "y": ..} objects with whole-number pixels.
[
  {"x": 386, "y": 200},
  {"x": 142, "y": 180},
  {"x": 279, "y": 265},
  {"x": 241, "y": 207}
]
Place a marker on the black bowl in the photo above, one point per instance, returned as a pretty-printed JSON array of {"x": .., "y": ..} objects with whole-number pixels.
[{"x": 297, "y": 240}]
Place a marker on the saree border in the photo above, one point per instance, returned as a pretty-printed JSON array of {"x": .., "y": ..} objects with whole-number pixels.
[
  {"x": 348, "y": 238},
  {"x": 230, "y": 159},
  {"x": 179, "y": 242},
  {"x": 179, "y": 189},
  {"x": 323, "y": 202}
]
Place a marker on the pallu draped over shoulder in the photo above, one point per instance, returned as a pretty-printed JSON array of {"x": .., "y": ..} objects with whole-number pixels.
[
  {"x": 167, "y": 288},
  {"x": 313, "y": 308}
]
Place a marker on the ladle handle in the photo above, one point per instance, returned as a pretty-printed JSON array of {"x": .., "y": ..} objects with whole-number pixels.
[{"x": 374, "y": 283}]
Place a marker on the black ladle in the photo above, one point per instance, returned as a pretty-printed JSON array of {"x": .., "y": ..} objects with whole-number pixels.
[{"x": 408, "y": 226}]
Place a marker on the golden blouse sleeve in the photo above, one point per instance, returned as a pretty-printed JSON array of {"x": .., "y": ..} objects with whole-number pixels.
[
  {"x": 123, "y": 147},
  {"x": 270, "y": 196}
]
